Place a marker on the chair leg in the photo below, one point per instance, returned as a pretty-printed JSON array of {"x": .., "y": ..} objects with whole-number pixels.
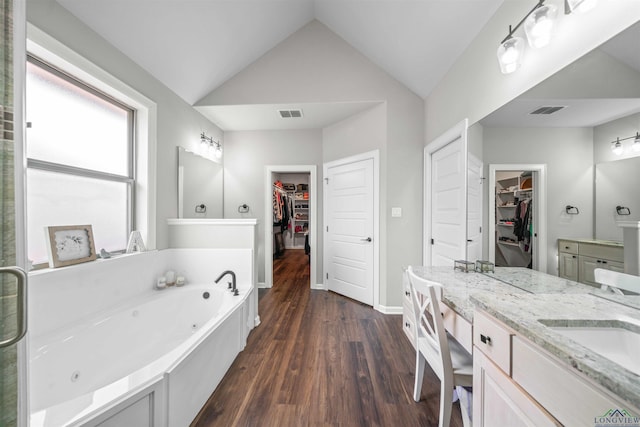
[
  {"x": 446, "y": 392},
  {"x": 417, "y": 387},
  {"x": 465, "y": 401}
]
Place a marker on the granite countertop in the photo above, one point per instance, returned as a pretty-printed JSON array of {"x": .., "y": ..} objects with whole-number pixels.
[
  {"x": 458, "y": 287},
  {"x": 632, "y": 301},
  {"x": 594, "y": 241},
  {"x": 520, "y": 297},
  {"x": 522, "y": 313}
]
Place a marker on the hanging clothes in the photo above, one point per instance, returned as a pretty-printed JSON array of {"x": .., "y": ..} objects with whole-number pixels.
[{"x": 522, "y": 225}]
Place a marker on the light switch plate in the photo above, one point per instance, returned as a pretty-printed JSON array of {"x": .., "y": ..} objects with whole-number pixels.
[{"x": 396, "y": 212}]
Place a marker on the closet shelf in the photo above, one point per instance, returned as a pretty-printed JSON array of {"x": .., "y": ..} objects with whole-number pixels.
[{"x": 516, "y": 245}]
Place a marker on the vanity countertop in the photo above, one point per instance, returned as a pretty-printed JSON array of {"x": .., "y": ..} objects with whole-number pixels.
[
  {"x": 459, "y": 286},
  {"x": 519, "y": 297},
  {"x": 614, "y": 243},
  {"x": 522, "y": 313}
]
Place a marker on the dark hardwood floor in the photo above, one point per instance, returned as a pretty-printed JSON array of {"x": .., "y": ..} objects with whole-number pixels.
[{"x": 320, "y": 359}]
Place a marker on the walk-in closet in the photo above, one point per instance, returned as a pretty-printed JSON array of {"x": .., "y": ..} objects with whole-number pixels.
[
  {"x": 514, "y": 218},
  {"x": 291, "y": 218}
]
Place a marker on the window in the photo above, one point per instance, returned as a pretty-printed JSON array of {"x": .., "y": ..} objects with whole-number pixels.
[{"x": 80, "y": 162}]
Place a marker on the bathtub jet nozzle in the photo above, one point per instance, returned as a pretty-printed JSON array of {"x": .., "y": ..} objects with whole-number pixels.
[{"x": 233, "y": 281}]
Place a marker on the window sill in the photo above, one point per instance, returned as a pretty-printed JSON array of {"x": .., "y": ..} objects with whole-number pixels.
[{"x": 85, "y": 265}]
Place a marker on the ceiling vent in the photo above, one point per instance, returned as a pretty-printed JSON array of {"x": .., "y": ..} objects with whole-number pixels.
[
  {"x": 290, "y": 114},
  {"x": 548, "y": 109}
]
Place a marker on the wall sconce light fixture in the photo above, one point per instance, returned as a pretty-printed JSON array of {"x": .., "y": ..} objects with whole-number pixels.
[
  {"x": 618, "y": 148},
  {"x": 538, "y": 27},
  {"x": 210, "y": 147}
]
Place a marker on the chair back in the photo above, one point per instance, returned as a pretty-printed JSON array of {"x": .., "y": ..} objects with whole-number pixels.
[
  {"x": 430, "y": 338},
  {"x": 616, "y": 281}
]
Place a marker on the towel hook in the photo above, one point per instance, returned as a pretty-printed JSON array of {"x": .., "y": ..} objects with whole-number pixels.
[
  {"x": 623, "y": 210},
  {"x": 572, "y": 210}
]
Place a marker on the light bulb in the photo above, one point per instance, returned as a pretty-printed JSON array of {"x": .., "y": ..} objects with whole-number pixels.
[
  {"x": 636, "y": 143},
  {"x": 539, "y": 25},
  {"x": 510, "y": 54},
  {"x": 616, "y": 147},
  {"x": 218, "y": 152}
]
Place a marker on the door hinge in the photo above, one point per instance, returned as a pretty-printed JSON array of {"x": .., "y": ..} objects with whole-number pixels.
[
  {"x": 326, "y": 180},
  {"x": 327, "y": 228},
  {"x": 480, "y": 230},
  {"x": 327, "y": 276},
  {"x": 432, "y": 242}
]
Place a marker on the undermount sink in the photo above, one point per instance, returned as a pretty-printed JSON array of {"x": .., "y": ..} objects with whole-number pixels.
[{"x": 616, "y": 340}]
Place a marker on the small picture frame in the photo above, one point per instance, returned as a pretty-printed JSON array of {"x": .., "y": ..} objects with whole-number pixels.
[{"x": 70, "y": 244}]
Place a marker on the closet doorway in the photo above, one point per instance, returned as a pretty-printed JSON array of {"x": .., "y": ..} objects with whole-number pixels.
[
  {"x": 517, "y": 216},
  {"x": 290, "y": 220}
]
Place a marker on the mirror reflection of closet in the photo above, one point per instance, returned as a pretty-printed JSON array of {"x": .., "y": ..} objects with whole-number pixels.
[{"x": 200, "y": 186}]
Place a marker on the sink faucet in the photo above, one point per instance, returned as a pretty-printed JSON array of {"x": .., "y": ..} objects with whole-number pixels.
[{"x": 233, "y": 280}]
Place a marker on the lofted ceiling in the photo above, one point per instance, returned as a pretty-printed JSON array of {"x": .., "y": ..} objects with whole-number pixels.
[{"x": 193, "y": 46}]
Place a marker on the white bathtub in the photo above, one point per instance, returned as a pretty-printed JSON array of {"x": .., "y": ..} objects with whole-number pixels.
[{"x": 153, "y": 361}]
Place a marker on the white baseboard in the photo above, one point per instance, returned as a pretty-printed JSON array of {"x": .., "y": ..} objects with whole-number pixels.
[
  {"x": 262, "y": 285},
  {"x": 319, "y": 287},
  {"x": 389, "y": 310}
]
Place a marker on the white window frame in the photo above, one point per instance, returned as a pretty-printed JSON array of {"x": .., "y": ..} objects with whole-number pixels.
[{"x": 48, "y": 49}]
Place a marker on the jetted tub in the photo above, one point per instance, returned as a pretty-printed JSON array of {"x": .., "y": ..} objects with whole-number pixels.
[{"x": 152, "y": 362}]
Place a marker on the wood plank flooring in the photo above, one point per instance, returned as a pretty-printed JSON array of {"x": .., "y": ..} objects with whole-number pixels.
[{"x": 320, "y": 359}]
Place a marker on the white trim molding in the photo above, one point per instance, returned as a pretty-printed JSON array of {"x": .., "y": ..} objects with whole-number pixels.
[
  {"x": 390, "y": 309},
  {"x": 269, "y": 170},
  {"x": 57, "y": 54}
]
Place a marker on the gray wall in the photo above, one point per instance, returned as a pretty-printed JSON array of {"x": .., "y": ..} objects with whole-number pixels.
[
  {"x": 178, "y": 122},
  {"x": 568, "y": 154},
  {"x": 246, "y": 155},
  {"x": 314, "y": 65}
]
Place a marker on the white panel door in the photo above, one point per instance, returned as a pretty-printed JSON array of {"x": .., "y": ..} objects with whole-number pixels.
[
  {"x": 474, "y": 209},
  {"x": 448, "y": 200},
  {"x": 349, "y": 230}
]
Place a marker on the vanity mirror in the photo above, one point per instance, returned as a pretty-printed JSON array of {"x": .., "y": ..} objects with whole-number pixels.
[
  {"x": 200, "y": 186},
  {"x": 568, "y": 123}
]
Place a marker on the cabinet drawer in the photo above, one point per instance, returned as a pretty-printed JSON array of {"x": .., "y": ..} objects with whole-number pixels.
[
  {"x": 567, "y": 246},
  {"x": 570, "y": 398},
  {"x": 493, "y": 339},
  {"x": 458, "y": 327},
  {"x": 408, "y": 326},
  {"x": 603, "y": 252}
]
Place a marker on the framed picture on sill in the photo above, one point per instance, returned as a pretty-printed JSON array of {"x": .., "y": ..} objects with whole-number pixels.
[{"x": 70, "y": 244}]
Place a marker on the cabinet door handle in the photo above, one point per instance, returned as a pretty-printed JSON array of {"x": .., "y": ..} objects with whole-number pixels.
[
  {"x": 407, "y": 324},
  {"x": 574, "y": 256},
  {"x": 604, "y": 262},
  {"x": 485, "y": 339},
  {"x": 407, "y": 293},
  {"x": 566, "y": 247}
]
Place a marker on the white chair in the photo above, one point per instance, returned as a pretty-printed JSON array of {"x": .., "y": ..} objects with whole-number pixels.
[
  {"x": 447, "y": 358},
  {"x": 617, "y": 282}
]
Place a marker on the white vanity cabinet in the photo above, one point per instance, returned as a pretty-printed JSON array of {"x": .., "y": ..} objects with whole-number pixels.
[
  {"x": 407, "y": 310},
  {"x": 578, "y": 259},
  {"x": 516, "y": 382},
  {"x": 497, "y": 399}
]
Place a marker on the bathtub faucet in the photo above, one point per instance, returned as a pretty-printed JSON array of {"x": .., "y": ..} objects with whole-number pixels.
[{"x": 233, "y": 280}]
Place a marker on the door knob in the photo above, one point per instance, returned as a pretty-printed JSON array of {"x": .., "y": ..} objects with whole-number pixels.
[{"x": 368, "y": 239}]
